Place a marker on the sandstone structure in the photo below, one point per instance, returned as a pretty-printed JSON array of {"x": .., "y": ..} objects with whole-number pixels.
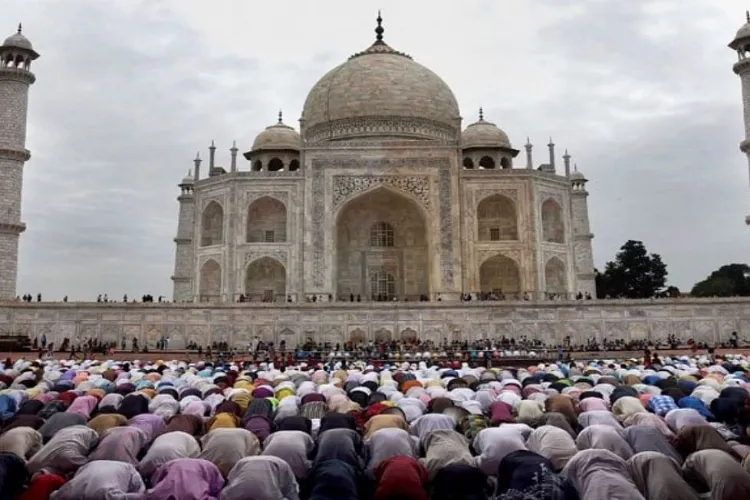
[
  {"x": 382, "y": 196},
  {"x": 16, "y": 54},
  {"x": 705, "y": 320}
]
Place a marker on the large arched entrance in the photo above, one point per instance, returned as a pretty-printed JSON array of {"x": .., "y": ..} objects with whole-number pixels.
[
  {"x": 209, "y": 287},
  {"x": 382, "y": 248},
  {"x": 499, "y": 275},
  {"x": 265, "y": 280}
]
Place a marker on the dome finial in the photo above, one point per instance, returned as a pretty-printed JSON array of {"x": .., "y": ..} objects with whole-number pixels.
[
  {"x": 281, "y": 116},
  {"x": 20, "y": 28},
  {"x": 481, "y": 114},
  {"x": 379, "y": 30},
  {"x": 747, "y": 17}
]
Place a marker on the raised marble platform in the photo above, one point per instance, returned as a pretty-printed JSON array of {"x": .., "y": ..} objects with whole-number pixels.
[{"x": 708, "y": 320}]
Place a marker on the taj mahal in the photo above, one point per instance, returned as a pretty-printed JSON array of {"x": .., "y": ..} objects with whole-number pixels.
[
  {"x": 382, "y": 195},
  {"x": 383, "y": 216}
]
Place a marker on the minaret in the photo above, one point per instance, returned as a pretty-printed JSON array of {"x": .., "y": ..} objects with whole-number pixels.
[
  {"x": 529, "y": 161},
  {"x": 16, "y": 55},
  {"x": 566, "y": 162},
  {"x": 183, "y": 259},
  {"x": 233, "y": 151},
  {"x": 582, "y": 235},
  {"x": 551, "y": 147},
  {"x": 741, "y": 44}
]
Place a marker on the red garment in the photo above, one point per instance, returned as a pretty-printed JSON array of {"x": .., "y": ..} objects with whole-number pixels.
[
  {"x": 42, "y": 487},
  {"x": 500, "y": 413},
  {"x": 67, "y": 397},
  {"x": 400, "y": 478}
]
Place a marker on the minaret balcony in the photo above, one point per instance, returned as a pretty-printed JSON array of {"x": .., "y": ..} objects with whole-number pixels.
[{"x": 12, "y": 227}]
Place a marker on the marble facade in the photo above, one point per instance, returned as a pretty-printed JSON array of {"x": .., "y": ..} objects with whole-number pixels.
[{"x": 709, "y": 320}]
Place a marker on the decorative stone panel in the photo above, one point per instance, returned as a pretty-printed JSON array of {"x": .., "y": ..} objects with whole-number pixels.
[{"x": 344, "y": 187}]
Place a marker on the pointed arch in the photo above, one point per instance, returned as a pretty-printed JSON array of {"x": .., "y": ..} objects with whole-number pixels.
[
  {"x": 265, "y": 280},
  {"x": 209, "y": 288},
  {"x": 383, "y": 335},
  {"x": 382, "y": 233},
  {"x": 357, "y": 336},
  {"x": 487, "y": 162},
  {"x": 553, "y": 227},
  {"x": 468, "y": 163},
  {"x": 212, "y": 225},
  {"x": 555, "y": 276},
  {"x": 266, "y": 221},
  {"x": 497, "y": 219},
  {"x": 409, "y": 335},
  {"x": 500, "y": 274},
  {"x": 275, "y": 164},
  {"x": 505, "y": 163},
  {"x": 294, "y": 165}
]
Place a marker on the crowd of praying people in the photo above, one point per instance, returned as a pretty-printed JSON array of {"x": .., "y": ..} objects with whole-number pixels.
[{"x": 670, "y": 428}]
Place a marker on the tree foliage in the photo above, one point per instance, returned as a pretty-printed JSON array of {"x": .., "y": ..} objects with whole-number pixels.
[
  {"x": 634, "y": 274},
  {"x": 732, "y": 280}
]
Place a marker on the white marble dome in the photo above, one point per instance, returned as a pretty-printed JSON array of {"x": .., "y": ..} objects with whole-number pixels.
[
  {"x": 17, "y": 40},
  {"x": 484, "y": 134},
  {"x": 380, "y": 92},
  {"x": 278, "y": 137}
]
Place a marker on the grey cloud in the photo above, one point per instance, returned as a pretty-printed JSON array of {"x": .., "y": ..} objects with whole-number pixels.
[{"x": 127, "y": 92}]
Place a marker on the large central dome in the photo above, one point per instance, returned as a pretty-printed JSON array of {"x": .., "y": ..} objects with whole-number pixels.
[{"x": 380, "y": 93}]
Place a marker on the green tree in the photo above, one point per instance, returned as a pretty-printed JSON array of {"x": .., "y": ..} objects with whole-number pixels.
[
  {"x": 634, "y": 274},
  {"x": 732, "y": 280}
]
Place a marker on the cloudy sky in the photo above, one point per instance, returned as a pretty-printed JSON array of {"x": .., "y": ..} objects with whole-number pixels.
[{"x": 641, "y": 92}]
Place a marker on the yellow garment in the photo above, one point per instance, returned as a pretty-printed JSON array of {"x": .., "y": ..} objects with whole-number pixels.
[
  {"x": 242, "y": 399},
  {"x": 284, "y": 393},
  {"x": 101, "y": 423},
  {"x": 244, "y": 384},
  {"x": 223, "y": 420},
  {"x": 384, "y": 422}
]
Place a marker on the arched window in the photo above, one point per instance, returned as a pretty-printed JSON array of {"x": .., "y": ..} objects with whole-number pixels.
[
  {"x": 212, "y": 225},
  {"x": 554, "y": 277},
  {"x": 505, "y": 163},
  {"x": 468, "y": 163},
  {"x": 382, "y": 285},
  {"x": 275, "y": 165},
  {"x": 257, "y": 166},
  {"x": 381, "y": 235},
  {"x": 553, "y": 228},
  {"x": 209, "y": 287},
  {"x": 294, "y": 165},
  {"x": 487, "y": 162},
  {"x": 266, "y": 221},
  {"x": 497, "y": 219}
]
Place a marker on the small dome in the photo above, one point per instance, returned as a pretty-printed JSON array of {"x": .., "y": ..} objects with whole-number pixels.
[
  {"x": 17, "y": 40},
  {"x": 188, "y": 179},
  {"x": 483, "y": 134},
  {"x": 577, "y": 176},
  {"x": 742, "y": 38},
  {"x": 278, "y": 137}
]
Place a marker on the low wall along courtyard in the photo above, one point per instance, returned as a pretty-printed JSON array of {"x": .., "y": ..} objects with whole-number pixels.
[{"x": 708, "y": 320}]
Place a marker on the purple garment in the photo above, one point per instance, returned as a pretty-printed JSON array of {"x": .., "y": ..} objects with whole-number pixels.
[
  {"x": 186, "y": 479},
  {"x": 154, "y": 425}
]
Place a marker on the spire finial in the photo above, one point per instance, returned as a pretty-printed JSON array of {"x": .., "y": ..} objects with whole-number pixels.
[
  {"x": 234, "y": 144},
  {"x": 528, "y": 141},
  {"x": 20, "y": 28},
  {"x": 575, "y": 167},
  {"x": 213, "y": 146},
  {"x": 379, "y": 30},
  {"x": 481, "y": 114},
  {"x": 198, "y": 156},
  {"x": 551, "y": 143},
  {"x": 281, "y": 116},
  {"x": 747, "y": 16}
]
